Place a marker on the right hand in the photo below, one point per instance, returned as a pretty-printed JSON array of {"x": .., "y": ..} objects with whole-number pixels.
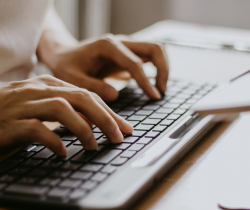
[{"x": 25, "y": 104}]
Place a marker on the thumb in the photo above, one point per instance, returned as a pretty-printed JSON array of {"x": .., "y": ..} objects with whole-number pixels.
[{"x": 104, "y": 90}]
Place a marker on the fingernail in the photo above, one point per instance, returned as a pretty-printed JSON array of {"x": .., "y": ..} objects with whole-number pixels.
[
  {"x": 156, "y": 92},
  {"x": 127, "y": 127},
  {"x": 63, "y": 151},
  {"x": 110, "y": 93},
  {"x": 92, "y": 144},
  {"x": 118, "y": 137}
]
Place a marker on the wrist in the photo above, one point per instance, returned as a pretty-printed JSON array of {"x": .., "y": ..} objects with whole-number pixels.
[{"x": 50, "y": 47}]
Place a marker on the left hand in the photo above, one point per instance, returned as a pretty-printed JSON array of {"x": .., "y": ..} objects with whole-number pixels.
[{"x": 86, "y": 63}]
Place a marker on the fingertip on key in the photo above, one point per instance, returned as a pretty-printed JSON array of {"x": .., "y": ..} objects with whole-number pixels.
[
  {"x": 156, "y": 92},
  {"x": 117, "y": 137}
]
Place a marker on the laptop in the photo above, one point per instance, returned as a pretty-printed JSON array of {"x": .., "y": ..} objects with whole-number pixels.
[{"x": 113, "y": 176}]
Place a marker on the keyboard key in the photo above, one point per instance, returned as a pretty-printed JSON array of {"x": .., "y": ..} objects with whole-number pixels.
[
  {"x": 51, "y": 164},
  {"x": 121, "y": 146},
  {"x": 39, "y": 172},
  {"x": 136, "y": 147},
  {"x": 97, "y": 135},
  {"x": 125, "y": 112},
  {"x": 23, "y": 154},
  {"x": 151, "y": 121},
  {"x": 71, "y": 151},
  {"x": 133, "y": 108},
  {"x": 38, "y": 148},
  {"x": 31, "y": 163},
  {"x": 28, "y": 180},
  {"x": 157, "y": 116},
  {"x": 83, "y": 175},
  {"x": 177, "y": 101},
  {"x": 167, "y": 122},
  {"x": 29, "y": 148},
  {"x": 118, "y": 161},
  {"x": 133, "y": 123},
  {"x": 103, "y": 141},
  {"x": 84, "y": 156},
  {"x": 164, "y": 110},
  {"x": 185, "y": 106},
  {"x": 151, "y": 107},
  {"x": 173, "y": 117},
  {"x": 144, "y": 140},
  {"x": 159, "y": 128},
  {"x": 58, "y": 193},
  {"x": 78, "y": 143},
  {"x": 69, "y": 138},
  {"x": 66, "y": 143},
  {"x": 70, "y": 166},
  {"x": 8, "y": 164},
  {"x": 179, "y": 111},
  {"x": 97, "y": 130},
  {"x": 89, "y": 185},
  {"x": 171, "y": 106},
  {"x": 106, "y": 156},
  {"x": 139, "y": 103},
  {"x": 183, "y": 96},
  {"x": 191, "y": 101},
  {"x": 35, "y": 191},
  {"x": 44, "y": 154},
  {"x": 77, "y": 194},
  {"x": 144, "y": 127},
  {"x": 61, "y": 173},
  {"x": 157, "y": 102},
  {"x": 99, "y": 177},
  {"x": 144, "y": 112},
  {"x": 100, "y": 148},
  {"x": 50, "y": 181},
  {"x": 108, "y": 169},
  {"x": 71, "y": 183},
  {"x": 152, "y": 134},
  {"x": 137, "y": 133},
  {"x": 137, "y": 117},
  {"x": 91, "y": 167},
  {"x": 19, "y": 170},
  {"x": 128, "y": 154},
  {"x": 130, "y": 139}
]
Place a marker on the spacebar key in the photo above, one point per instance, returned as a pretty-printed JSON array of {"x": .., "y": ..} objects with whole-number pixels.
[
  {"x": 106, "y": 156},
  {"x": 35, "y": 191}
]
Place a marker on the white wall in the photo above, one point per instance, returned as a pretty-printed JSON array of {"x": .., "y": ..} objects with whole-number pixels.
[{"x": 129, "y": 16}]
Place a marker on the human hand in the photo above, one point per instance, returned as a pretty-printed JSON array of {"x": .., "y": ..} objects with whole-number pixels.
[
  {"x": 85, "y": 64},
  {"x": 25, "y": 104}
]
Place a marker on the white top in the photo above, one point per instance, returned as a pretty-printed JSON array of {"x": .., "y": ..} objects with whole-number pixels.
[{"x": 21, "y": 25}]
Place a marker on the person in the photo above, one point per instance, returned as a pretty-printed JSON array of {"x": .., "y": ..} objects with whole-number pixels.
[{"x": 31, "y": 30}]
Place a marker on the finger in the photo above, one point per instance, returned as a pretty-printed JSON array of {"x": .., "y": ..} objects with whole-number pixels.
[
  {"x": 83, "y": 101},
  {"x": 156, "y": 53},
  {"x": 104, "y": 90},
  {"x": 58, "y": 109},
  {"x": 33, "y": 130},
  {"x": 124, "y": 126},
  {"x": 114, "y": 50}
]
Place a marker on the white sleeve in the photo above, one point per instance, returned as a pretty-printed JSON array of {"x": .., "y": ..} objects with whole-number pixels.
[{"x": 55, "y": 24}]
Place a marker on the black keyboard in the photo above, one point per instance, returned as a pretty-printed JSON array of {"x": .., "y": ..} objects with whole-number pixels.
[{"x": 37, "y": 172}]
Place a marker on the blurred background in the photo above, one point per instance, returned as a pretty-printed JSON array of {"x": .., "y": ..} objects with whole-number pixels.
[{"x": 88, "y": 18}]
